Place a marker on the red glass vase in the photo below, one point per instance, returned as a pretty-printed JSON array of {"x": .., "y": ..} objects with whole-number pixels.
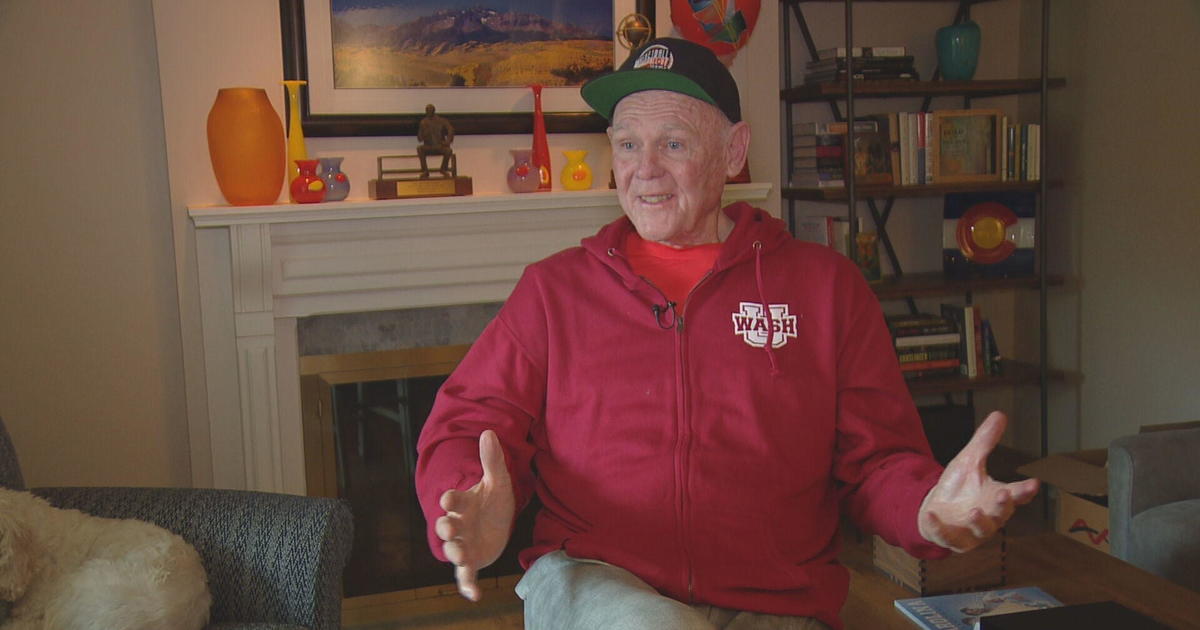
[
  {"x": 308, "y": 187},
  {"x": 541, "y": 148}
]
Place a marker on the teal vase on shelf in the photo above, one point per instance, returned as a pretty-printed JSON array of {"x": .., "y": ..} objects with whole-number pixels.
[{"x": 958, "y": 50}]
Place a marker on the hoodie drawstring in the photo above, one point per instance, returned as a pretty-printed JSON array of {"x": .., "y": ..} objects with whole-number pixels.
[{"x": 758, "y": 249}]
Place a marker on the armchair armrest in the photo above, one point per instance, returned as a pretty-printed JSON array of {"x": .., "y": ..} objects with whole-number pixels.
[
  {"x": 270, "y": 558},
  {"x": 1147, "y": 470}
]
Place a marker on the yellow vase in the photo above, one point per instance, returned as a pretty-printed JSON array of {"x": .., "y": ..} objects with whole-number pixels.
[
  {"x": 295, "y": 136},
  {"x": 576, "y": 175}
]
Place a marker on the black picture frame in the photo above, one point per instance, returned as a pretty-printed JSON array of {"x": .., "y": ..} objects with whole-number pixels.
[{"x": 295, "y": 66}]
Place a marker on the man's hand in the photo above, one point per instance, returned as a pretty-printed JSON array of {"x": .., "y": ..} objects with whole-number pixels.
[
  {"x": 478, "y": 521},
  {"x": 967, "y": 506}
]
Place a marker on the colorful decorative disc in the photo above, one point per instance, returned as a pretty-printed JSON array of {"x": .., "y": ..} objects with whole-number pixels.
[
  {"x": 721, "y": 25},
  {"x": 982, "y": 232}
]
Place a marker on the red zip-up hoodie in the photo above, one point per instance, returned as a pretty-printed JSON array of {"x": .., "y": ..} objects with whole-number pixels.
[{"x": 707, "y": 448}]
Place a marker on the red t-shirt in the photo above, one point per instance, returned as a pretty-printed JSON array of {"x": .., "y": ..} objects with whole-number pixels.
[{"x": 673, "y": 271}]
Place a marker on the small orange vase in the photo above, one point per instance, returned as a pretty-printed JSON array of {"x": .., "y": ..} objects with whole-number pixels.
[{"x": 245, "y": 143}]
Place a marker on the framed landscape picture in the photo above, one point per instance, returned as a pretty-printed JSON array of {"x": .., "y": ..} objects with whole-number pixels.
[
  {"x": 965, "y": 145},
  {"x": 373, "y": 65}
]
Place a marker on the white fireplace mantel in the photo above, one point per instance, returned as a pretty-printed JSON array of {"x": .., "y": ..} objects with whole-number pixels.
[{"x": 262, "y": 267}]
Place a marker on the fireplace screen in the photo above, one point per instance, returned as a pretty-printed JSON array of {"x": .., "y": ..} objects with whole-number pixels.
[{"x": 363, "y": 413}]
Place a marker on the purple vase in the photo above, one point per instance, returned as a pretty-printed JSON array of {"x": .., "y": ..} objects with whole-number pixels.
[{"x": 523, "y": 177}]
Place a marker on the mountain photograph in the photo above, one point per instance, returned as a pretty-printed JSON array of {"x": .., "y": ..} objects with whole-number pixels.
[{"x": 447, "y": 43}]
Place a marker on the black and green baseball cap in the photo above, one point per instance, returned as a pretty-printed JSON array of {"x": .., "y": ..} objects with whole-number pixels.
[{"x": 667, "y": 63}]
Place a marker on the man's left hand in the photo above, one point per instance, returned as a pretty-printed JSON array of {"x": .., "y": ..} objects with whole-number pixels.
[{"x": 967, "y": 506}]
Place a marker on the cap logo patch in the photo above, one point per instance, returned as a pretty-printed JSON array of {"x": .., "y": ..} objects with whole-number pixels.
[{"x": 656, "y": 57}]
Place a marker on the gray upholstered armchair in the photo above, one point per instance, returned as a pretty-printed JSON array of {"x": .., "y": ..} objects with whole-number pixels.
[
  {"x": 273, "y": 560},
  {"x": 1154, "y": 503}
]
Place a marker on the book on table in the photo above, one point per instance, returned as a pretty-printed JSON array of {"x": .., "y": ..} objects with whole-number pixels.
[
  {"x": 962, "y": 611},
  {"x": 1094, "y": 616}
]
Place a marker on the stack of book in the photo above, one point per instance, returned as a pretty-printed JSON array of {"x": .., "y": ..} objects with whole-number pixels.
[
  {"x": 820, "y": 158},
  {"x": 926, "y": 344},
  {"x": 869, "y": 63},
  {"x": 1021, "y": 148},
  {"x": 977, "y": 347}
]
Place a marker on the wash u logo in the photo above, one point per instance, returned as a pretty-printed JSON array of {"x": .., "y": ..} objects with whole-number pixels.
[{"x": 751, "y": 323}]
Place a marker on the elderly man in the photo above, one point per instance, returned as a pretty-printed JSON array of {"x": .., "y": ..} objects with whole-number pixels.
[{"x": 694, "y": 397}]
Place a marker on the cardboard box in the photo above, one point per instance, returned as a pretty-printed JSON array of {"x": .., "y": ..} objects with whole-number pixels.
[
  {"x": 980, "y": 568},
  {"x": 1080, "y": 480}
]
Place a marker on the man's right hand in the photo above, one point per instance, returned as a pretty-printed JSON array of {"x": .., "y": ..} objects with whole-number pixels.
[{"x": 478, "y": 521}]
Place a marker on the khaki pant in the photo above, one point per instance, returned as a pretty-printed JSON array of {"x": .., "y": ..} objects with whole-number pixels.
[{"x": 565, "y": 593}]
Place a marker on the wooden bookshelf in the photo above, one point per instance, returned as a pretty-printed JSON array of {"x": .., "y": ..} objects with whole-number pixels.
[
  {"x": 1012, "y": 373},
  {"x": 937, "y": 284},
  {"x": 811, "y": 92},
  {"x": 923, "y": 190}
]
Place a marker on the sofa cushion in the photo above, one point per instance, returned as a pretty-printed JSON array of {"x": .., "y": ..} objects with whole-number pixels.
[{"x": 1163, "y": 541}]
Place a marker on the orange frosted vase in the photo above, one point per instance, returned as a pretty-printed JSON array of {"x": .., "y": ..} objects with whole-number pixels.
[{"x": 245, "y": 143}]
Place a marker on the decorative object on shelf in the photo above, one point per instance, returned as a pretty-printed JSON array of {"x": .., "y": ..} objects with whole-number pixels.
[
  {"x": 245, "y": 144},
  {"x": 576, "y": 175},
  {"x": 722, "y": 26},
  {"x": 522, "y": 176},
  {"x": 307, "y": 187},
  {"x": 866, "y": 244},
  {"x": 958, "y": 50},
  {"x": 634, "y": 30},
  {"x": 295, "y": 136},
  {"x": 966, "y": 145},
  {"x": 988, "y": 234},
  {"x": 436, "y": 134},
  {"x": 337, "y": 185},
  {"x": 390, "y": 183},
  {"x": 541, "y": 148}
]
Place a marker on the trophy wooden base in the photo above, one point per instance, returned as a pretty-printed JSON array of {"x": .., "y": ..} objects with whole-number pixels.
[{"x": 407, "y": 188}]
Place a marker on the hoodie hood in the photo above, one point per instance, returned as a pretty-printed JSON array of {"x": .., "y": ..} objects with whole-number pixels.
[
  {"x": 750, "y": 225},
  {"x": 755, "y": 234}
]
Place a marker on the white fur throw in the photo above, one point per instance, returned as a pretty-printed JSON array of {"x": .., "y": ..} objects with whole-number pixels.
[{"x": 66, "y": 570}]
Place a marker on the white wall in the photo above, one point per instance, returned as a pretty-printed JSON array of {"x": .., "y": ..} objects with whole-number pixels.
[
  {"x": 91, "y": 382},
  {"x": 1127, "y": 134}
]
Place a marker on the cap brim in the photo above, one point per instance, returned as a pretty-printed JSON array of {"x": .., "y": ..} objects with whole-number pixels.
[{"x": 603, "y": 93}]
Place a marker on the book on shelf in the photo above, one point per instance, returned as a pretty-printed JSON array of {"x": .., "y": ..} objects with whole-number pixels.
[
  {"x": 904, "y": 62},
  {"x": 865, "y": 74},
  {"x": 816, "y": 180},
  {"x": 873, "y": 152},
  {"x": 924, "y": 367},
  {"x": 934, "y": 339},
  {"x": 832, "y": 128},
  {"x": 863, "y": 51},
  {"x": 918, "y": 324},
  {"x": 1022, "y": 152},
  {"x": 1093, "y": 616},
  {"x": 936, "y": 352},
  {"x": 873, "y": 149},
  {"x": 829, "y": 231},
  {"x": 963, "y": 611},
  {"x": 991, "y": 352},
  {"x": 964, "y": 319}
]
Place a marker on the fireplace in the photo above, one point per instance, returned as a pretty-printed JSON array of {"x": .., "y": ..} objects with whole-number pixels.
[
  {"x": 367, "y": 385},
  {"x": 261, "y": 269}
]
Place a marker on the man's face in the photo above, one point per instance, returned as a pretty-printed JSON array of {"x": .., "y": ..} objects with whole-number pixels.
[{"x": 671, "y": 156}]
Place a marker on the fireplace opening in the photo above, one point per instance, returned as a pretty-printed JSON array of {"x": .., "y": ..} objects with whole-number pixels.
[{"x": 363, "y": 413}]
